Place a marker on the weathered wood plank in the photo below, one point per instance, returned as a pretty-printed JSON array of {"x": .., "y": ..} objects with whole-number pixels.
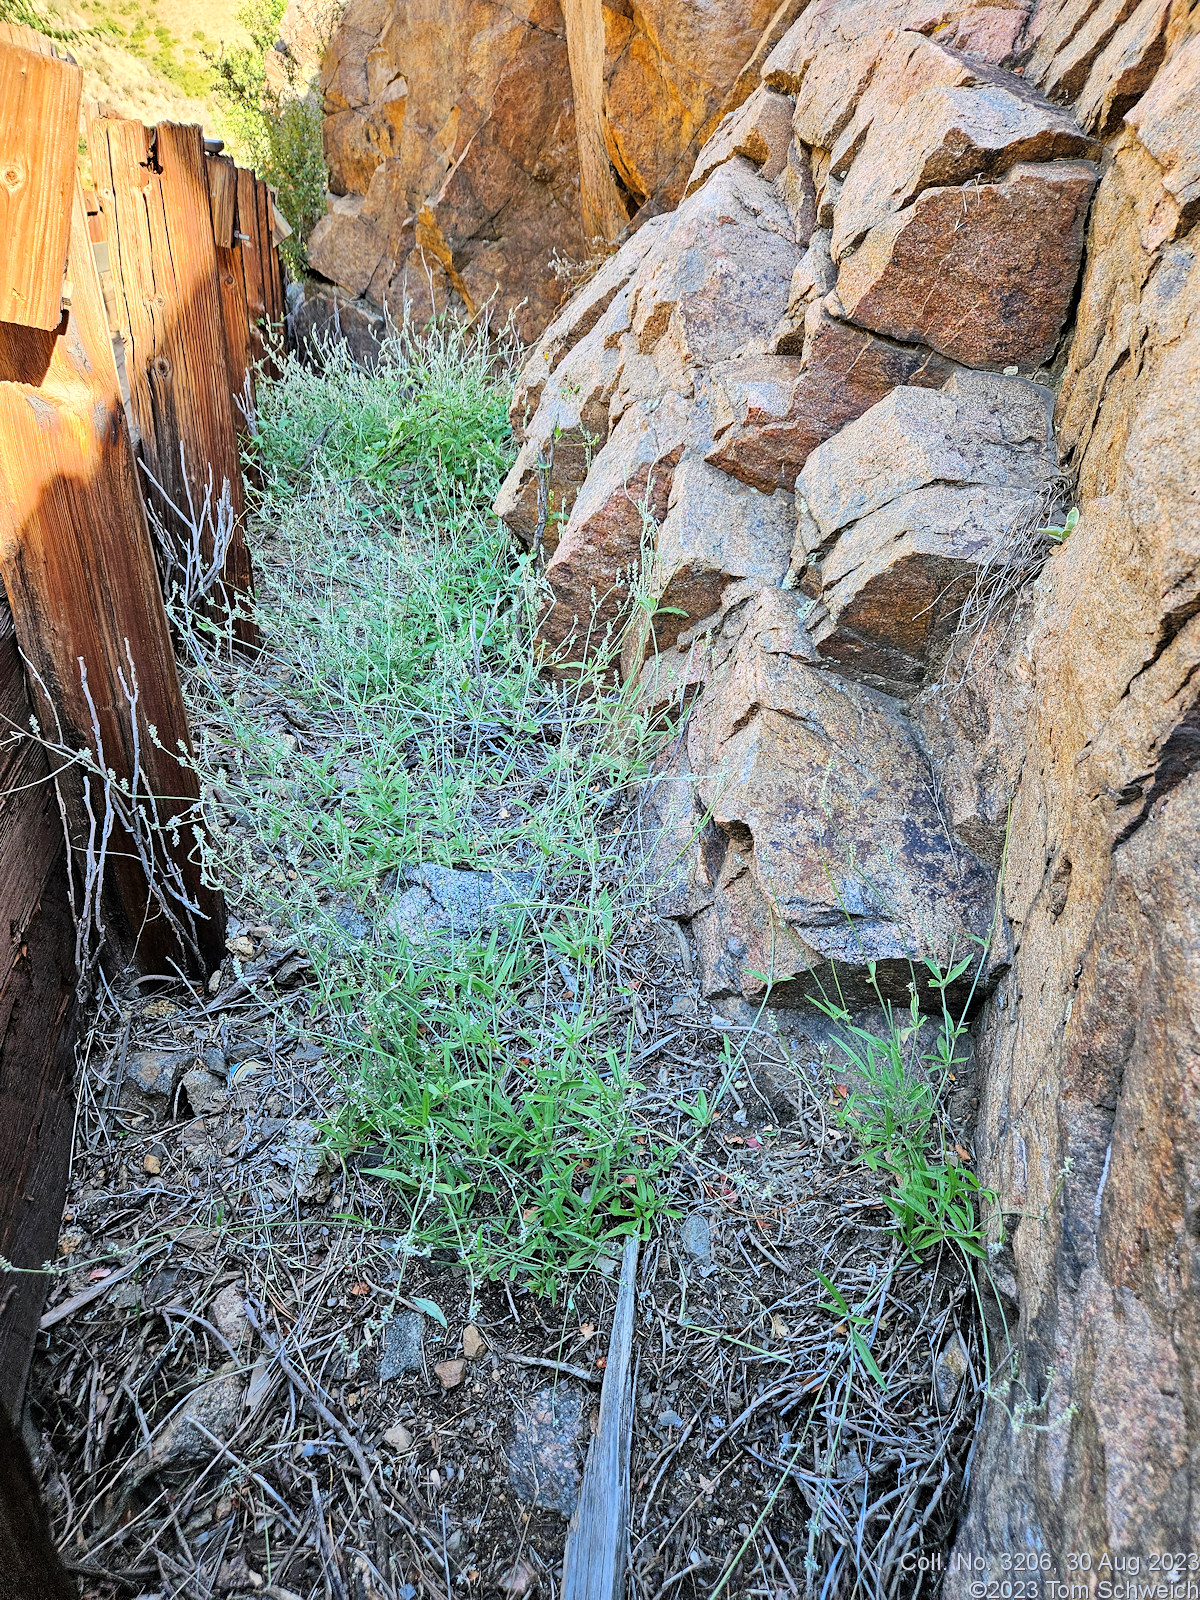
[
  {"x": 222, "y": 189},
  {"x": 598, "y": 1539},
  {"x": 261, "y": 274},
  {"x": 77, "y": 564},
  {"x": 37, "y": 1022},
  {"x": 222, "y": 198},
  {"x": 249, "y": 254},
  {"x": 39, "y": 121},
  {"x": 154, "y": 192},
  {"x": 273, "y": 270}
]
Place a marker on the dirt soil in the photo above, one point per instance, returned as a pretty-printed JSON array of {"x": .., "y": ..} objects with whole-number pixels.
[{"x": 240, "y": 1238}]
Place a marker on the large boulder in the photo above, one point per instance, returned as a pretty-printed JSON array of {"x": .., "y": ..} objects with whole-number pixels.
[
  {"x": 906, "y": 512},
  {"x": 578, "y": 317},
  {"x": 771, "y": 412},
  {"x": 759, "y": 129},
  {"x": 682, "y": 292},
  {"x": 895, "y": 584},
  {"x": 568, "y": 428},
  {"x": 836, "y": 859},
  {"x": 715, "y": 283},
  {"x": 947, "y": 136},
  {"x": 718, "y": 542},
  {"x": 985, "y": 274},
  {"x": 723, "y": 280},
  {"x": 979, "y": 428},
  {"x": 831, "y": 54},
  {"x": 613, "y": 522}
]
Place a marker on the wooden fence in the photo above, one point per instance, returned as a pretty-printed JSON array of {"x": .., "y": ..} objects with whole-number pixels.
[{"x": 132, "y": 321}]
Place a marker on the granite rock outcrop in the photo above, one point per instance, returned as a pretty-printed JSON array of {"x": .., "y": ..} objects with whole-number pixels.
[{"x": 963, "y": 299}]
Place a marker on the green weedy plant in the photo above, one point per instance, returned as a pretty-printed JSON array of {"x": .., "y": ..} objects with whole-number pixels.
[
  {"x": 487, "y": 1075},
  {"x": 1061, "y": 532},
  {"x": 279, "y": 133},
  {"x": 893, "y": 1112},
  {"x": 460, "y": 430}
]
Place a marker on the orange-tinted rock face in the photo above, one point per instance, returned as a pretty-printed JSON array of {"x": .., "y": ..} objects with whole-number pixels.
[
  {"x": 454, "y": 125},
  {"x": 466, "y": 108}
]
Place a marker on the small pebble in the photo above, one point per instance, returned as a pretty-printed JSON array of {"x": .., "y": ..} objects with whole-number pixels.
[
  {"x": 695, "y": 1238},
  {"x": 450, "y": 1373},
  {"x": 399, "y": 1438},
  {"x": 403, "y": 1340}
]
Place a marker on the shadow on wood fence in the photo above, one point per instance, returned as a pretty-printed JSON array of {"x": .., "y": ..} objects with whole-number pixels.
[{"x": 132, "y": 322}]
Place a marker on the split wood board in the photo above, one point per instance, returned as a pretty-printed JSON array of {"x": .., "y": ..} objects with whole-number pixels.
[
  {"x": 259, "y": 262},
  {"x": 153, "y": 189},
  {"x": 39, "y": 123},
  {"x": 78, "y": 567},
  {"x": 222, "y": 198},
  {"x": 597, "y": 1553}
]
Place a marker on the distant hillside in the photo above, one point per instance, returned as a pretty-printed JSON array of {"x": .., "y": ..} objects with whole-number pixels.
[{"x": 146, "y": 58}]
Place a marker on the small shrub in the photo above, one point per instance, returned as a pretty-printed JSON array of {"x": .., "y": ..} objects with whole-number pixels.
[{"x": 281, "y": 133}]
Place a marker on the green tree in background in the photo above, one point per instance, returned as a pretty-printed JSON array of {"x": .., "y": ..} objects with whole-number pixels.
[{"x": 280, "y": 130}]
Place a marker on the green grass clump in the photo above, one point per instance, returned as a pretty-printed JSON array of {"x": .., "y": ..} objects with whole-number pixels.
[
  {"x": 464, "y": 434},
  {"x": 893, "y": 1110},
  {"x": 486, "y": 1076}
]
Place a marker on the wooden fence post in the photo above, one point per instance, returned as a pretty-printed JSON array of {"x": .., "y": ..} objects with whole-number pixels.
[
  {"x": 277, "y": 300},
  {"x": 153, "y": 189},
  {"x": 37, "y": 1023},
  {"x": 77, "y": 562}
]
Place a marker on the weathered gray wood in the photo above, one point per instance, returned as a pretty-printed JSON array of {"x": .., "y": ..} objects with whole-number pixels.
[
  {"x": 154, "y": 192},
  {"x": 223, "y": 192},
  {"x": 37, "y": 1024},
  {"x": 598, "y": 1540}
]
